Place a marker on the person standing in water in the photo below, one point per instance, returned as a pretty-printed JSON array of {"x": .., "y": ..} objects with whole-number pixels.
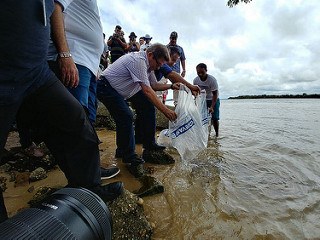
[{"x": 210, "y": 85}]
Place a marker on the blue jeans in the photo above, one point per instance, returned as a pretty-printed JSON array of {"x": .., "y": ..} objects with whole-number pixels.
[
  {"x": 85, "y": 92},
  {"x": 123, "y": 116}
]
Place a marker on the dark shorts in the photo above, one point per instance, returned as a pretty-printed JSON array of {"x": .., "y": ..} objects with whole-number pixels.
[{"x": 216, "y": 112}]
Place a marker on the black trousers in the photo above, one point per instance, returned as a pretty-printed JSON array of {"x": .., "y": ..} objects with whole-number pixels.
[{"x": 46, "y": 105}]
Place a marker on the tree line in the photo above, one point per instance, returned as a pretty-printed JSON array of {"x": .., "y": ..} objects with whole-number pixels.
[{"x": 304, "y": 95}]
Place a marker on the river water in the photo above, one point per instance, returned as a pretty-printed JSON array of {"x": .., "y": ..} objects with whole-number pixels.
[{"x": 259, "y": 180}]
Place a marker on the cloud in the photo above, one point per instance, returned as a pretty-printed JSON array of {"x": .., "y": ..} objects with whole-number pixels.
[{"x": 264, "y": 47}]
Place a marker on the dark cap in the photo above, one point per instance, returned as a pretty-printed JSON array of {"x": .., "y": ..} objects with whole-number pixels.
[
  {"x": 132, "y": 34},
  {"x": 174, "y": 35},
  {"x": 119, "y": 27}
]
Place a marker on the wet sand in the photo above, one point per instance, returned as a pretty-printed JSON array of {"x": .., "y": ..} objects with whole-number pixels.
[{"x": 17, "y": 197}]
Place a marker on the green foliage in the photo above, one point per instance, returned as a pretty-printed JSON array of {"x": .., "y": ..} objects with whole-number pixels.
[{"x": 232, "y": 3}]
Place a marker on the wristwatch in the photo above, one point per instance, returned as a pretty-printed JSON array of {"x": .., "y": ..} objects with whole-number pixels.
[{"x": 64, "y": 54}]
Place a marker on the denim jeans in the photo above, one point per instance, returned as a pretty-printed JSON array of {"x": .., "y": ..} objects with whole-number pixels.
[
  {"x": 123, "y": 116},
  {"x": 85, "y": 92}
]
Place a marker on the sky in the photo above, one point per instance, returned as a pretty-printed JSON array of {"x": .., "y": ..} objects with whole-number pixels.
[{"x": 263, "y": 47}]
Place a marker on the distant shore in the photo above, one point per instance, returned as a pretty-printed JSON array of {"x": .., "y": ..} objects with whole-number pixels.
[{"x": 304, "y": 95}]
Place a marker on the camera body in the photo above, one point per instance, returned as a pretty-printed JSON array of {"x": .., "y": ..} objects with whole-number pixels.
[{"x": 116, "y": 35}]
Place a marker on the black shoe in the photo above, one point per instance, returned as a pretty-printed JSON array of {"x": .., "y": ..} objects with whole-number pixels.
[
  {"x": 108, "y": 192},
  {"x": 110, "y": 172},
  {"x": 119, "y": 153},
  {"x": 155, "y": 147},
  {"x": 157, "y": 157},
  {"x": 132, "y": 159},
  {"x": 136, "y": 170}
]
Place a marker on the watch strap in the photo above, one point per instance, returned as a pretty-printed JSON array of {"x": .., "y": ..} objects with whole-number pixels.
[{"x": 64, "y": 54}]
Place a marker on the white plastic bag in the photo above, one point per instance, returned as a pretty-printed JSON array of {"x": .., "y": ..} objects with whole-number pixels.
[
  {"x": 164, "y": 138},
  {"x": 201, "y": 102},
  {"x": 187, "y": 132}
]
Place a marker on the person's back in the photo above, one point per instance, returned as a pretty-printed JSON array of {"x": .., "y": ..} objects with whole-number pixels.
[{"x": 29, "y": 43}]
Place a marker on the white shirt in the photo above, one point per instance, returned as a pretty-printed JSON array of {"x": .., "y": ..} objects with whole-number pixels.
[
  {"x": 126, "y": 74},
  {"x": 83, "y": 32},
  {"x": 209, "y": 85},
  {"x": 144, "y": 46}
]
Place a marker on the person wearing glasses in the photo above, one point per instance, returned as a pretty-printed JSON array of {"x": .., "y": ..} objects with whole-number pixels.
[{"x": 131, "y": 79}]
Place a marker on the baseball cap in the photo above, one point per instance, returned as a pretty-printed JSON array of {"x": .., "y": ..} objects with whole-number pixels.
[{"x": 174, "y": 35}]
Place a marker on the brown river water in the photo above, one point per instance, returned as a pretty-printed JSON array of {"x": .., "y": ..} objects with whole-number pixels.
[{"x": 259, "y": 180}]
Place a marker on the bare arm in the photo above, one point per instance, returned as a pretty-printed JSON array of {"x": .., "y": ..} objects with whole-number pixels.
[
  {"x": 183, "y": 64},
  {"x": 214, "y": 100},
  {"x": 68, "y": 69},
  {"x": 161, "y": 87},
  {"x": 151, "y": 95},
  {"x": 177, "y": 78}
]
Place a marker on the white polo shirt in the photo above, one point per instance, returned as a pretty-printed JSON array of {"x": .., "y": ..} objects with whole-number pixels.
[{"x": 83, "y": 32}]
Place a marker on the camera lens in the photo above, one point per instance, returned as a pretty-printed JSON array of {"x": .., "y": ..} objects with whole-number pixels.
[{"x": 69, "y": 213}]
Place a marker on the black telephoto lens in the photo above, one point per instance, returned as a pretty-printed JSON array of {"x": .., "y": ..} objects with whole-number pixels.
[{"x": 69, "y": 213}]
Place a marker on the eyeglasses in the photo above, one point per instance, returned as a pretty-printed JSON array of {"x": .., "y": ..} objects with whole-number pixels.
[{"x": 158, "y": 63}]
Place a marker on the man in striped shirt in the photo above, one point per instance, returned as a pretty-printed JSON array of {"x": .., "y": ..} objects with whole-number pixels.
[{"x": 131, "y": 79}]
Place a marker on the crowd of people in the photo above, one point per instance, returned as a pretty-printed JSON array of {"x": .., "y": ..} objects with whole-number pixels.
[{"x": 54, "y": 66}]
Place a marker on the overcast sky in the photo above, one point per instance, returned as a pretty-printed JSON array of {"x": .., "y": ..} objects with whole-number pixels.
[{"x": 264, "y": 47}]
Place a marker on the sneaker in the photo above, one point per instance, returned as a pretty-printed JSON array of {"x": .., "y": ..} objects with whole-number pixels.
[
  {"x": 155, "y": 147},
  {"x": 108, "y": 192},
  {"x": 136, "y": 170},
  {"x": 110, "y": 172},
  {"x": 157, "y": 157}
]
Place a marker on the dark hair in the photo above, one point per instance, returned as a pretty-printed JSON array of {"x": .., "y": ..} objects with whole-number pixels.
[
  {"x": 202, "y": 65},
  {"x": 174, "y": 50},
  {"x": 159, "y": 51},
  {"x": 119, "y": 27}
]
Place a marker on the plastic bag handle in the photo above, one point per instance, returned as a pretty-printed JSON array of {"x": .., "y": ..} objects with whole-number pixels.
[{"x": 184, "y": 88}]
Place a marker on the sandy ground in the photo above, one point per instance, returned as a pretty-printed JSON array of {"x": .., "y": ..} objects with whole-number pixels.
[{"x": 16, "y": 196}]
